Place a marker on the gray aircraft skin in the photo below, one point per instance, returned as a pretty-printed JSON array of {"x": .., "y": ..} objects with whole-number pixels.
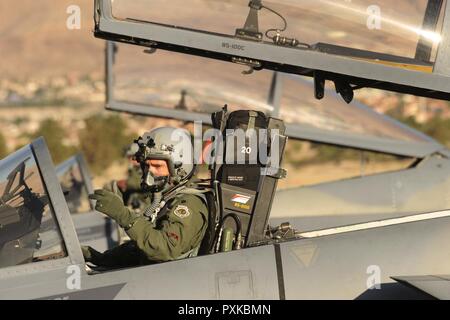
[
  {"x": 93, "y": 228},
  {"x": 435, "y": 286},
  {"x": 422, "y": 188},
  {"x": 351, "y": 245}
]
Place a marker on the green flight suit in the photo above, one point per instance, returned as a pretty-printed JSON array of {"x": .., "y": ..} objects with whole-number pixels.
[{"x": 176, "y": 233}]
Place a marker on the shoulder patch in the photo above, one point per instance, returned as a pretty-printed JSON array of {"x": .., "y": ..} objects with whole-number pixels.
[{"x": 182, "y": 212}]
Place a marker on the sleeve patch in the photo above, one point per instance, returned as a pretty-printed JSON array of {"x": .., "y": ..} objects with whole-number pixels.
[
  {"x": 173, "y": 235},
  {"x": 182, "y": 212}
]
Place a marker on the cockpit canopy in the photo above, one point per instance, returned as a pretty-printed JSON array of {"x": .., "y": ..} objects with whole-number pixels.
[
  {"x": 402, "y": 46},
  {"x": 28, "y": 228}
]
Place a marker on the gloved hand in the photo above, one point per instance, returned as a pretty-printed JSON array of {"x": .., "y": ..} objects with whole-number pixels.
[
  {"x": 123, "y": 256},
  {"x": 91, "y": 255},
  {"x": 86, "y": 253},
  {"x": 112, "y": 205}
]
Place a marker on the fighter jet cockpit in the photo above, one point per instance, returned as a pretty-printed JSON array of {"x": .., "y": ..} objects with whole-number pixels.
[
  {"x": 343, "y": 47},
  {"x": 294, "y": 71},
  {"x": 190, "y": 88},
  {"x": 29, "y": 231},
  {"x": 271, "y": 56}
]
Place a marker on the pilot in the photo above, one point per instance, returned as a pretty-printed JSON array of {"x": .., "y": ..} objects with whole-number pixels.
[{"x": 173, "y": 226}]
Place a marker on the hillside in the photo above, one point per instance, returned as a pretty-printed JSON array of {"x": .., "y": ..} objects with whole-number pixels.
[{"x": 35, "y": 42}]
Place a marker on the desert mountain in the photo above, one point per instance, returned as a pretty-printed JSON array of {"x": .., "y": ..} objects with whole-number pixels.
[{"x": 35, "y": 41}]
